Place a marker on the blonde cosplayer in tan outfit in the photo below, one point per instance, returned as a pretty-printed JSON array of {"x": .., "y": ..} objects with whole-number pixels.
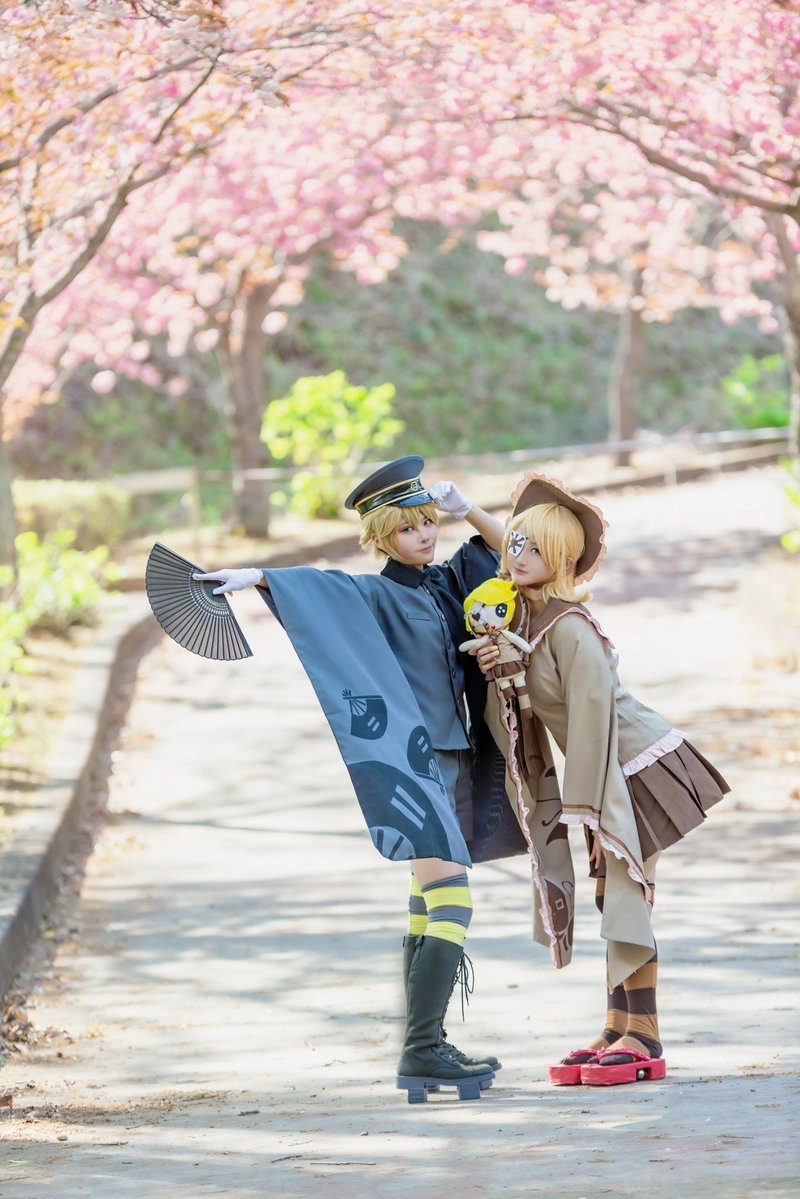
[{"x": 632, "y": 780}]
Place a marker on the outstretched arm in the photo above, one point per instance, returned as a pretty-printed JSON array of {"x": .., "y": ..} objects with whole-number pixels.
[
  {"x": 449, "y": 498},
  {"x": 489, "y": 527},
  {"x": 233, "y": 580}
]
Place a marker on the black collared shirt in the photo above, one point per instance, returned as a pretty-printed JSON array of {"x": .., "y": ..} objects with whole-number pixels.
[{"x": 425, "y": 632}]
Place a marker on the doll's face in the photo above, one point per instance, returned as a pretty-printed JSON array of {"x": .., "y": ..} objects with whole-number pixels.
[
  {"x": 488, "y": 618},
  {"x": 415, "y": 546},
  {"x": 526, "y": 565}
]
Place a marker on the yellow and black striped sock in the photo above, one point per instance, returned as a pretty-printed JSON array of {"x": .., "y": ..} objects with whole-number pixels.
[
  {"x": 449, "y": 905},
  {"x": 417, "y": 911}
]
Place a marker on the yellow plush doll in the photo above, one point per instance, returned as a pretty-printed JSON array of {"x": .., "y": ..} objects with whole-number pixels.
[{"x": 489, "y": 611}]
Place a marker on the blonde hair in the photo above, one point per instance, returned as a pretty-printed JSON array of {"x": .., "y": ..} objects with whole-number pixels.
[
  {"x": 378, "y": 528},
  {"x": 492, "y": 592},
  {"x": 558, "y": 535}
]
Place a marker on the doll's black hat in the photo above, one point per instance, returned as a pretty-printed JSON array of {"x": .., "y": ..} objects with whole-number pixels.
[{"x": 397, "y": 483}]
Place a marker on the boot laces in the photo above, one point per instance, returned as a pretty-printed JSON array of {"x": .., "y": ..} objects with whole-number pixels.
[{"x": 465, "y": 980}]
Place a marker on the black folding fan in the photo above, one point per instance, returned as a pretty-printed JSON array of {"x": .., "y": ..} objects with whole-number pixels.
[{"x": 188, "y": 611}]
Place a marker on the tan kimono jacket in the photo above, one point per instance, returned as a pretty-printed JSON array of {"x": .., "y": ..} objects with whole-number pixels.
[
  {"x": 604, "y": 734},
  {"x": 536, "y": 802}
]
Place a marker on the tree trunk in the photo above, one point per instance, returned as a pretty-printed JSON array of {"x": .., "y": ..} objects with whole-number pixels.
[
  {"x": 12, "y": 342},
  {"x": 8, "y": 524},
  {"x": 792, "y": 340},
  {"x": 621, "y": 421},
  {"x": 791, "y": 328},
  {"x": 243, "y": 354}
]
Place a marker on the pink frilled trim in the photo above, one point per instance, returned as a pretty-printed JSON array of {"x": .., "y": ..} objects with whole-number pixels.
[
  {"x": 509, "y": 721},
  {"x": 647, "y": 757},
  {"x": 620, "y": 851},
  {"x": 571, "y": 612}
]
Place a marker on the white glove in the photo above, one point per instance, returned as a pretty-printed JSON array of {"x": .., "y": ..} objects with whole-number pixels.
[
  {"x": 446, "y": 496},
  {"x": 232, "y": 580}
]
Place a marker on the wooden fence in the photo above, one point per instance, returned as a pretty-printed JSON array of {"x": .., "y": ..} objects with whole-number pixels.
[{"x": 661, "y": 455}]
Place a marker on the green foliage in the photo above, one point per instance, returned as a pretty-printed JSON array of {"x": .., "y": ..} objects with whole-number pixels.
[
  {"x": 484, "y": 362},
  {"x": 12, "y": 629},
  {"x": 791, "y": 540},
  {"x": 135, "y": 428},
  {"x": 481, "y": 360},
  {"x": 56, "y": 587},
  {"x": 331, "y": 425},
  {"x": 757, "y": 391},
  {"x": 95, "y": 513}
]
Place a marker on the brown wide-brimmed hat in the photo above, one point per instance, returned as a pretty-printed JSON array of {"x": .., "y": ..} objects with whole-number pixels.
[{"x": 534, "y": 489}]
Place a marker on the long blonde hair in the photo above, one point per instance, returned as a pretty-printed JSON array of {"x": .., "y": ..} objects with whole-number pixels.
[
  {"x": 558, "y": 535},
  {"x": 378, "y": 528}
]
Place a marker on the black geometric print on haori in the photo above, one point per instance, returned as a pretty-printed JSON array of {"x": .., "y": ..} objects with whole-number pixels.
[
  {"x": 421, "y": 755},
  {"x": 559, "y": 898},
  {"x": 368, "y": 715},
  {"x": 399, "y": 815},
  {"x": 188, "y": 611}
]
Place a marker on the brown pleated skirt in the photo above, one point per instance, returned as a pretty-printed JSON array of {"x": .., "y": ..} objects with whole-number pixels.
[{"x": 672, "y": 796}]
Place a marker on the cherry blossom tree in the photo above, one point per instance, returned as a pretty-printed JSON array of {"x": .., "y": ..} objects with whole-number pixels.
[
  {"x": 106, "y": 99},
  {"x": 212, "y": 263},
  {"x": 214, "y": 259},
  {"x": 613, "y": 235},
  {"x": 450, "y": 107},
  {"x": 707, "y": 93}
]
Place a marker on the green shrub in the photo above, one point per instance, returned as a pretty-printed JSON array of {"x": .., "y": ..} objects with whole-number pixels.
[
  {"x": 13, "y": 627},
  {"x": 329, "y": 425},
  {"x": 757, "y": 392},
  {"x": 56, "y": 587},
  {"x": 96, "y": 513}
]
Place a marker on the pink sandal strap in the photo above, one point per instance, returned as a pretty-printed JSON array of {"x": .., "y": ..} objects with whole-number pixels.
[
  {"x": 589, "y": 1057},
  {"x": 633, "y": 1053}
]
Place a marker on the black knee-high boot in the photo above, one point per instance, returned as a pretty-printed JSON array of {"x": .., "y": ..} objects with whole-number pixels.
[
  {"x": 409, "y": 948},
  {"x": 424, "y": 1062}
]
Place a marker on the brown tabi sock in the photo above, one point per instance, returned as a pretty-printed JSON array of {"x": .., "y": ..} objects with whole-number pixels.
[
  {"x": 640, "y": 992},
  {"x": 640, "y": 998},
  {"x": 616, "y": 1003},
  {"x": 616, "y": 1000}
]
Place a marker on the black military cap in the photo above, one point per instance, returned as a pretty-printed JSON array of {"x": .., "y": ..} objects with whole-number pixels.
[{"x": 396, "y": 483}]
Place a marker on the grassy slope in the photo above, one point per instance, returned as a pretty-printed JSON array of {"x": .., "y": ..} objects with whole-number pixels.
[
  {"x": 480, "y": 361},
  {"x": 483, "y": 361}
]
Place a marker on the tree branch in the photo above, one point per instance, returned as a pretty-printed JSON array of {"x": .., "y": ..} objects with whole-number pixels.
[
  {"x": 76, "y": 111},
  {"x": 589, "y": 119},
  {"x": 184, "y": 100}
]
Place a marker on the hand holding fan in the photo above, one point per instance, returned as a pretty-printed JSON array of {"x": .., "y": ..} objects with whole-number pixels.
[{"x": 188, "y": 611}]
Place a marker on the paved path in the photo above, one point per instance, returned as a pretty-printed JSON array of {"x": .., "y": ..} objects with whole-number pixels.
[{"x": 225, "y": 1018}]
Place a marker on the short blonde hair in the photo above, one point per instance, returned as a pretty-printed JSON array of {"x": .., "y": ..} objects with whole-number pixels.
[
  {"x": 558, "y": 535},
  {"x": 378, "y": 528}
]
